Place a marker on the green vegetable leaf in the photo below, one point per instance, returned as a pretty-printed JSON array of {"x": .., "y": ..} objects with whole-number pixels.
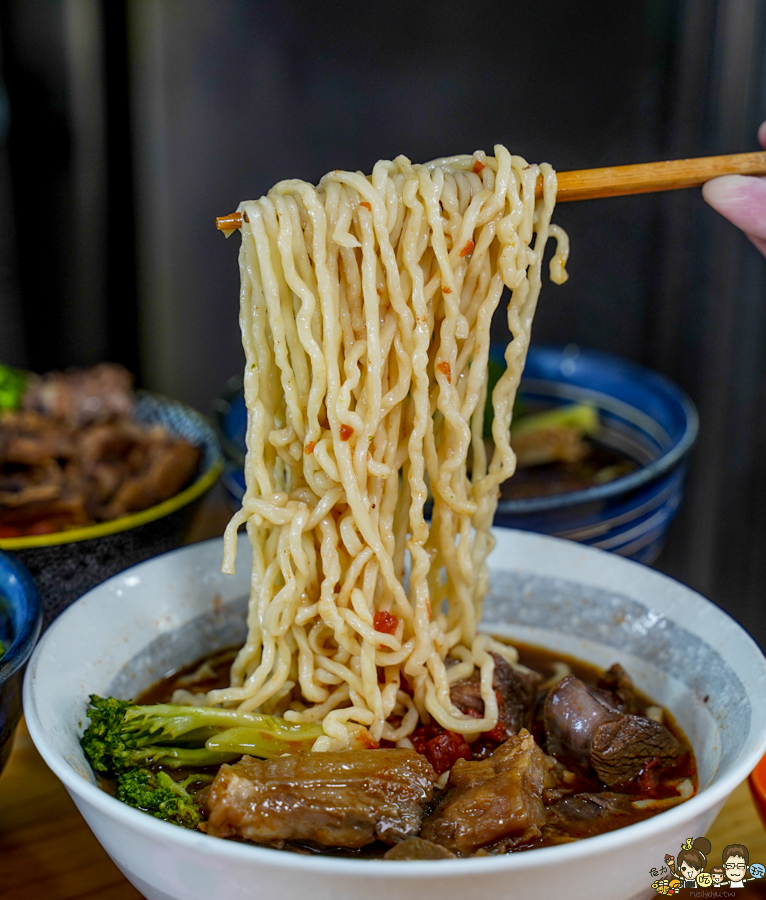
[
  {"x": 13, "y": 382},
  {"x": 582, "y": 417}
]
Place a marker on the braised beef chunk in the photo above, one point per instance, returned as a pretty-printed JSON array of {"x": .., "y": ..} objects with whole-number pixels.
[
  {"x": 491, "y": 800},
  {"x": 583, "y": 815},
  {"x": 585, "y": 729},
  {"x": 82, "y": 396},
  {"x": 169, "y": 464},
  {"x": 617, "y": 681},
  {"x": 515, "y": 688},
  {"x": 417, "y": 848},
  {"x": 345, "y": 799},
  {"x": 622, "y": 748}
]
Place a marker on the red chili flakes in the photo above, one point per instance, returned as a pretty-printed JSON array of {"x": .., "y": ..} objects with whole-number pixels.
[
  {"x": 309, "y": 448},
  {"x": 478, "y": 166},
  {"x": 444, "y": 750},
  {"x": 345, "y": 432},
  {"x": 498, "y": 733},
  {"x": 446, "y": 290},
  {"x": 366, "y": 741},
  {"x": 468, "y": 248},
  {"x": 366, "y": 205},
  {"x": 385, "y": 622},
  {"x": 444, "y": 368},
  {"x": 422, "y": 735}
]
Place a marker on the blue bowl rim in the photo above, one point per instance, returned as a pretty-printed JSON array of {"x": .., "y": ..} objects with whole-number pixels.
[
  {"x": 634, "y": 480},
  {"x": 221, "y": 408},
  {"x": 23, "y": 643}
]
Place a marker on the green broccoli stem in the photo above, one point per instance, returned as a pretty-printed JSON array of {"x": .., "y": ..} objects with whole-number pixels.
[
  {"x": 264, "y": 742},
  {"x": 173, "y": 757},
  {"x": 122, "y": 735},
  {"x": 165, "y": 722}
]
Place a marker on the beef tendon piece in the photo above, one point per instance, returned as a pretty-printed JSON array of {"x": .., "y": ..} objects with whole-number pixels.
[
  {"x": 585, "y": 815},
  {"x": 571, "y": 715},
  {"x": 515, "y": 689},
  {"x": 344, "y": 799},
  {"x": 492, "y": 800},
  {"x": 585, "y": 729}
]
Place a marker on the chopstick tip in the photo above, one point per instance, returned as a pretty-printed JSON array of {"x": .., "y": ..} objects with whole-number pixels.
[{"x": 230, "y": 223}]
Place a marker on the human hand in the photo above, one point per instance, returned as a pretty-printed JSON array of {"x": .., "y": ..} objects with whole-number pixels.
[{"x": 742, "y": 200}]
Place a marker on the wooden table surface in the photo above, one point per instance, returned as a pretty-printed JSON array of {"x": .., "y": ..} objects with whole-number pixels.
[{"x": 47, "y": 852}]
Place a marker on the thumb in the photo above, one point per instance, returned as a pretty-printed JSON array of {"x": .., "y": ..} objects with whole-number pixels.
[{"x": 742, "y": 200}]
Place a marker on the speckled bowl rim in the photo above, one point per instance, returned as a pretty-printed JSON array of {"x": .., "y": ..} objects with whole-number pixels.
[{"x": 196, "y": 489}]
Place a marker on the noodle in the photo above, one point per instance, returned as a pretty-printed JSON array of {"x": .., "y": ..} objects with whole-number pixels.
[{"x": 365, "y": 313}]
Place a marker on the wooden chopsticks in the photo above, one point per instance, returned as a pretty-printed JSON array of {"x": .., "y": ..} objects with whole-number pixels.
[{"x": 617, "y": 181}]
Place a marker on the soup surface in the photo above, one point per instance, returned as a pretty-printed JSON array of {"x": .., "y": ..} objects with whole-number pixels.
[{"x": 577, "y": 752}]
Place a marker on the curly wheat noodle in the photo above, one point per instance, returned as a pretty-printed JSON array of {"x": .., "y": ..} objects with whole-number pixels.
[{"x": 366, "y": 306}]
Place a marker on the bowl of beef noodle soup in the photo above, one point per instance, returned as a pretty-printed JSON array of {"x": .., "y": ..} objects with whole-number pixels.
[{"x": 587, "y": 609}]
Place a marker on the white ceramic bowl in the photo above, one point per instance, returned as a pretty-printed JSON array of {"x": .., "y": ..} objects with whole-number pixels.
[{"x": 681, "y": 649}]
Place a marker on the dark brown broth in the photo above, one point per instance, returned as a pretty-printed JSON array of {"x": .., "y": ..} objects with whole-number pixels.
[
  {"x": 537, "y": 658},
  {"x": 601, "y": 465}
]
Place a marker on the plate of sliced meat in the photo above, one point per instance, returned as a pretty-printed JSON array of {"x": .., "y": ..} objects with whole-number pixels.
[{"x": 90, "y": 465}]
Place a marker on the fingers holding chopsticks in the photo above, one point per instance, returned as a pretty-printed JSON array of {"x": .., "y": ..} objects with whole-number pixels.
[{"x": 742, "y": 200}]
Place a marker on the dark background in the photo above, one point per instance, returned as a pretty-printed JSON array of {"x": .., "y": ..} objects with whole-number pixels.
[{"x": 126, "y": 127}]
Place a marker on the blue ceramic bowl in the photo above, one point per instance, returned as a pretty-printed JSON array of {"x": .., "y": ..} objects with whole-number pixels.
[
  {"x": 21, "y": 616},
  {"x": 643, "y": 415},
  {"x": 66, "y": 564},
  {"x": 230, "y": 418}
]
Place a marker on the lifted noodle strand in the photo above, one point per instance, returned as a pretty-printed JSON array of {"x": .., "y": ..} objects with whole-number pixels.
[{"x": 366, "y": 306}]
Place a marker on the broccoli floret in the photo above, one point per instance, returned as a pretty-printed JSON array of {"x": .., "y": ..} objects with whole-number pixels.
[
  {"x": 158, "y": 794},
  {"x": 123, "y": 735}
]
